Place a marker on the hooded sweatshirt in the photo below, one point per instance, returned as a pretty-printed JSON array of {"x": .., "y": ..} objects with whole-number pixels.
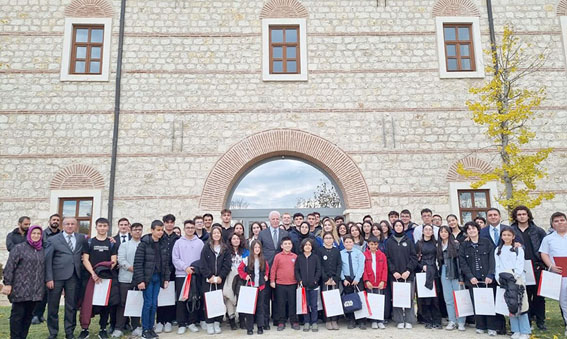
[{"x": 186, "y": 252}]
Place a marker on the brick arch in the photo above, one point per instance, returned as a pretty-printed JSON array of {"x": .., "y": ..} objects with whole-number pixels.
[
  {"x": 77, "y": 176},
  {"x": 89, "y": 9},
  {"x": 455, "y": 8},
  {"x": 562, "y": 8},
  {"x": 284, "y": 142},
  {"x": 469, "y": 163},
  {"x": 283, "y": 9}
]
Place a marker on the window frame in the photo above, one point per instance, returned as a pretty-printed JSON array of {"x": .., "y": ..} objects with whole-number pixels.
[
  {"x": 62, "y": 200},
  {"x": 455, "y": 187},
  {"x": 284, "y": 45},
  {"x": 94, "y": 194},
  {"x": 458, "y": 43},
  {"x": 88, "y": 45},
  {"x": 473, "y": 210},
  {"x": 476, "y": 51},
  {"x": 68, "y": 49},
  {"x": 302, "y": 74}
]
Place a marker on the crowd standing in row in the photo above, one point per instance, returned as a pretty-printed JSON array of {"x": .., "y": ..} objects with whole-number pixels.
[{"x": 317, "y": 254}]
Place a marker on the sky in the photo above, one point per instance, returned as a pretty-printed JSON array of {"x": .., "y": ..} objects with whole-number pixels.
[{"x": 279, "y": 183}]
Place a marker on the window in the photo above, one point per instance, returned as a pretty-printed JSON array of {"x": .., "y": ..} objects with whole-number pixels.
[
  {"x": 81, "y": 209},
  {"x": 86, "y": 55},
  {"x": 284, "y": 50},
  {"x": 459, "y": 47},
  {"x": 473, "y": 203},
  {"x": 86, "y": 49}
]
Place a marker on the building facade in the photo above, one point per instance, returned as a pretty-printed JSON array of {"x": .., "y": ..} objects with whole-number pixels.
[{"x": 372, "y": 92}]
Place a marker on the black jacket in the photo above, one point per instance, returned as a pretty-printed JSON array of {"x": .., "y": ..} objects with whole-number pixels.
[
  {"x": 15, "y": 237},
  {"x": 212, "y": 265},
  {"x": 467, "y": 257},
  {"x": 514, "y": 293},
  {"x": 145, "y": 260},
  {"x": 297, "y": 238},
  {"x": 401, "y": 255},
  {"x": 536, "y": 235},
  {"x": 331, "y": 264},
  {"x": 427, "y": 256},
  {"x": 308, "y": 270},
  {"x": 170, "y": 240}
]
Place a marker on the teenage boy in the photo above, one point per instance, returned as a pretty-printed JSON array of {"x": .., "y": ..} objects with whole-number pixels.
[
  {"x": 393, "y": 216},
  {"x": 311, "y": 220},
  {"x": 351, "y": 275},
  {"x": 375, "y": 273},
  {"x": 282, "y": 278},
  {"x": 208, "y": 222},
  {"x": 200, "y": 230},
  {"x": 427, "y": 218},
  {"x": 226, "y": 224},
  {"x": 286, "y": 221},
  {"x": 339, "y": 220},
  {"x": 437, "y": 220},
  {"x": 151, "y": 271},
  {"x": 126, "y": 255},
  {"x": 123, "y": 234},
  {"x": 99, "y": 259},
  {"x": 409, "y": 226},
  {"x": 297, "y": 220}
]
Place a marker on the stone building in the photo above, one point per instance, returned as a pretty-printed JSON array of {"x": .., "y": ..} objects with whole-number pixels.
[{"x": 367, "y": 91}]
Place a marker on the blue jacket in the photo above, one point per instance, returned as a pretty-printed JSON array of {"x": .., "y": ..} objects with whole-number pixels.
[{"x": 357, "y": 264}]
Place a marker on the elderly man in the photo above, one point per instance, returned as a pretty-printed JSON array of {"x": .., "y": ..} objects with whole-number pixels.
[{"x": 271, "y": 244}]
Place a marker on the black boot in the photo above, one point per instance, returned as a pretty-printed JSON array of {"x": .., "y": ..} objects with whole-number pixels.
[
  {"x": 232, "y": 322},
  {"x": 241, "y": 323}
]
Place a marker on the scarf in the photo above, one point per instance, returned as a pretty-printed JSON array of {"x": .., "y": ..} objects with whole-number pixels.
[{"x": 37, "y": 245}]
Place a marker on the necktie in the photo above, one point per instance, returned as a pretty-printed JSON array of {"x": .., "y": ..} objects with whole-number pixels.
[
  {"x": 275, "y": 237},
  {"x": 350, "y": 268},
  {"x": 123, "y": 239},
  {"x": 70, "y": 243},
  {"x": 496, "y": 235}
]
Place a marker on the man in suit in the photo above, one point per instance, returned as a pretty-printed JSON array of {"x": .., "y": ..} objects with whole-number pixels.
[
  {"x": 271, "y": 239},
  {"x": 63, "y": 273},
  {"x": 492, "y": 230},
  {"x": 123, "y": 234}
]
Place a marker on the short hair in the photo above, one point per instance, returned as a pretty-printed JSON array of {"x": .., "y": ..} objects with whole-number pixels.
[
  {"x": 367, "y": 216},
  {"x": 197, "y": 217},
  {"x": 156, "y": 223},
  {"x": 522, "y": 208},
  {"x": 437, "y": 215},
  {"x": 405, "y": 212},
  {"x": 226, "y": 210},
  {"x": 55, "y": 215},
  {"x": 286, "y": 238},
  {"x": 393, "y": 213},
  {"x": 479, "y": 218},
  {"x": 339, "y": 217},
  {"x": 272, "y": 213},
  {"x": 136, "y": 225},
  {"x": 188, "y": 221},
  {"x": 286, "y": 213},
  {"x": 102, "y": 221},
  {"x": 311, "y": 215},
  {"x": 305, "y": 241},
  {"x": 168, "y": 218},
  {"x": 471, "y": 224},
  {"x": 123, "y": 219},
  {"x": 493, "y": 209},
  {"x": 208, "y": 215},
  {"x": 556, "y": 215},
  {"x": 426, "y": 210},
  {"x": 21, "y": 219},
  {"x": 317, "y": 213},
  {"x": 348, "y": 236},
  {"x": 298, "y": 215}
]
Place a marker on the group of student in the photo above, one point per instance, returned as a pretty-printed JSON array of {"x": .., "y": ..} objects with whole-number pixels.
[{"x": 315, "y": 254}]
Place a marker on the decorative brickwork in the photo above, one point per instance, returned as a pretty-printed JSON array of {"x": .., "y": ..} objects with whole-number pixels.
[
  {"x": 562, "y": 8},
  {"x": 455, "y": 8},
  {"x": 283, "y": 9},
  {"x": 77, "y": 176},
  {"x": 89, "y": 9},
  {"x": 469, "y": 163},
  {"x": 284, "y": 142}
]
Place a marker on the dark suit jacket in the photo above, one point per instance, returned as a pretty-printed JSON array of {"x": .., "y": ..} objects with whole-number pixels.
[
  {"x": 119, "y": 240},
  {"x": 270, "y": 251},
  {"x": 485, "y": 233},
  {"x": 60, "y": 261}
]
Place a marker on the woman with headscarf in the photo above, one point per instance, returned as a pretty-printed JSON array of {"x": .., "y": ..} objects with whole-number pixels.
[{"x": 24, "y": 281}]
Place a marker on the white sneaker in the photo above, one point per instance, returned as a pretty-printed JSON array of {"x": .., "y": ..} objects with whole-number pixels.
[
  {"x": 375, "y": 325},
  {"x": 193, "y": 328},
  {"x": 217, "y": 327},
  {"x": 210, "y": 329},
  {"x": 167, "y": 328},
  {"x": 203, "y": 325},
  {"x": 137, "y": 332},
  {"x": 409, "y": 326},
  {"x": 462, "y": 327},
  {"x": 492, "y": 333},
  {"x": 515, "y": 335},
  {"x": 159, "y": 328},
  {"x": 479, "y": 331},
  {"x": 181, "y": 330},
  {"x": 401, "y": 325},
  {"x": 524, "y": 336},
  {"x": 450, "y": 326},
  {"x": 116, "y": 334},
  {"x": 381, "y": 326}
]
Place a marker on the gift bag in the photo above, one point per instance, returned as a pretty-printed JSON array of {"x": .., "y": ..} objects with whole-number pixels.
[
  {"x": 332, "y": 303},
  {"x": 463, "y": 303},
  {"x": 300, "y": 301},
  {"x": 530, "y": 275},
  {"x": 134, "y": 304},
  {"x": 483, "y": 301},
  {"x": 549, "y": 285},
  {"x": 376, "y": 303},
  {"x": 422, "y": 291},
  {"x": 166, "y": 297},
  {"x": 101, "y": 292},
  {"x": 247, "y": 299},
  {"x": 214, "y": 304},
  {"x": 351, "y": 302},
  {"x": 184, "y": 295},
  {"x": 500, "y": 305},
  {"x": 401, "y": 294},
  {"x": 365, "y": 311}
]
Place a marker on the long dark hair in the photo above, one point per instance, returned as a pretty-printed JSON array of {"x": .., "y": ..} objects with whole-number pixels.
[
  {"x": 513, "y": 248},
  {"x": 261, "y": 258},
  {"x": 360, "y": 234},
  {"x": 211, "y": 242},
  {"x": 241, "y": 246},
  {"x": 422, "y": 240},
  {"x": 452, "y": 247}
]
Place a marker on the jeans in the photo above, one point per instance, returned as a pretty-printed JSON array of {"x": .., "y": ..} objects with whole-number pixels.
[
  {"x": 311, "y": 296},
  {"x": 449, "y": 286},
  {"x": 520, "y": 324},
  {"x": 150, "y": 302},
  {"x": 20, "y": 319}
]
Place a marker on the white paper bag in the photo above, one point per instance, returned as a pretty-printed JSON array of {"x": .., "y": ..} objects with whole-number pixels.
[
  {"x": 401, "y": 294},
  {"x": 483, "y": 301},
  {"x": 530, "y": 275},
  {"x": 422, "y": 291},
  {"x": 101, "y": 292},
  {"x": 134, "y": 304},
  {"x": 166, "y": 297},
  {"x": 300, "y": 307},
  {"x": 463, "y": 303},
  {"x": 214, "y": 304},
  {"x": 500, "y": 305},
  {"x": 247, "y": 298},
  {"x": 364, "y": 312},
  {"x": 376, "y": 302},
  {"x": 332, "y": 303},
  {"x": 549, "y": 285}
]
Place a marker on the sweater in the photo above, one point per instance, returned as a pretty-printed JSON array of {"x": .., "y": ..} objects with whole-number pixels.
[
  {"x": 509, "y": 261},
  {"x": 331, "y": 264},
  {"x": 357, "y": 264},
  {"x": 185, "y": 253},
  {"x": 283, "y": 269}
]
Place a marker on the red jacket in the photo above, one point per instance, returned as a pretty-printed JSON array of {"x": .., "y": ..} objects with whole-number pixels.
[{"x": 381, "y": 268}]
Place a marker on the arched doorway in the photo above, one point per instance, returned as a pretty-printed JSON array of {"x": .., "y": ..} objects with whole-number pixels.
[{"x": 285, "y": 184}]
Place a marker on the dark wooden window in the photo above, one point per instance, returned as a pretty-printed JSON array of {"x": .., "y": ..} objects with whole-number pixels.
[
  {"x": 459, "y": 48},
  {"x": 79, "y": 208},
  {"x": 86, "y": 52},
  {"x": 473, "y": 203},
  {"x": 284, "y": 50}
]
